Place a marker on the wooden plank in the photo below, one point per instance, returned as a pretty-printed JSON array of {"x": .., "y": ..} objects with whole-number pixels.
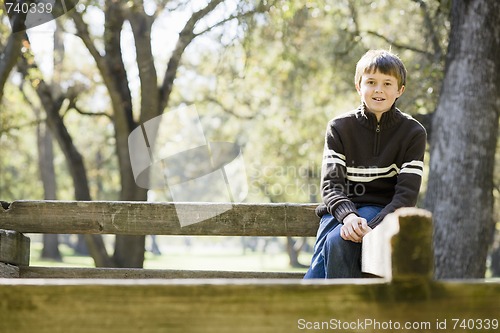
[
  {"x": 8, "y": 271},
  {"x": 144, "y": 218},
  {"x": 14, "y": 248},
  {"x": 32, "y": 305},
  {"x": 136, "y": 273}
]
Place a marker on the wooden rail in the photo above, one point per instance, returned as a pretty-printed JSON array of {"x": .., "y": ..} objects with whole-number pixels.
[
  {"x": 220, "y": 306},
  {"x": 145, "y": 218},
  {"x": 165, "y": 301}
]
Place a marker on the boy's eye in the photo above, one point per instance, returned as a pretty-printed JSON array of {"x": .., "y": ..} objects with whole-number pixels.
[
  {"x": 369, "y": 82},
  {"x": 388, "y": 84}
]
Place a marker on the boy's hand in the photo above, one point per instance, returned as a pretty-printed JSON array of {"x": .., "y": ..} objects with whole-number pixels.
[{"x": 354, "y": 228}]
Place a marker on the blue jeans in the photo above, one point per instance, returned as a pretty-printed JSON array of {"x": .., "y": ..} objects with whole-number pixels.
[{"x": 333, "y": 256}]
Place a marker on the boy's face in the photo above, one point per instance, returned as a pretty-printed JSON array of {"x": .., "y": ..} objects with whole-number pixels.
[{"x": 378, "y": 92}]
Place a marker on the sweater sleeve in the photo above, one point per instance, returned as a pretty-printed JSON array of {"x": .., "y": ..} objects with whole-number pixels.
[
  {"x": 333, "y": 177},
  {"x": 409, "y": 178}
]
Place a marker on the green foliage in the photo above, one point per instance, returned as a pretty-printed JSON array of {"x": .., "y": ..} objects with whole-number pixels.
[
  {"x": 276, "y": 88},
  {"x": 271, "y": 85},
  {"x": 18, "y": 158}
]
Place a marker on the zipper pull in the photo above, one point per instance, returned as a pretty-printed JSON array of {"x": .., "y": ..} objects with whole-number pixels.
[{"x": 378, "y": 128}]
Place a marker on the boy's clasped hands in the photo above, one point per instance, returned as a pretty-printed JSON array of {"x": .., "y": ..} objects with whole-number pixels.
[{"x": 354, "y": 228}]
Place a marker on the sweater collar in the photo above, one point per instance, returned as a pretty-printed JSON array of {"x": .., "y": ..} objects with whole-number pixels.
[{"x": 368, "y": 119}]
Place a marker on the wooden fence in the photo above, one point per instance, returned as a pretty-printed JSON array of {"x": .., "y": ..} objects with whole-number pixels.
[{"x": 128, "y": 300}]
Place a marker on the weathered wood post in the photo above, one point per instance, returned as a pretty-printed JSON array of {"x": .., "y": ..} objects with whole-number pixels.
[
  {"x": 14, "y": 251},
  {"x": 401, "y": 246},
  {"x": 412, "y": 249}
]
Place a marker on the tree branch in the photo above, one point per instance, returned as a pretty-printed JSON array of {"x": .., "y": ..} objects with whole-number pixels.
[
  {"x": 185, "y": 37},
  {"x": 227, "y": 109},
  {"x": 354, "y": 35},
  {"x": 7, "y": 129},
  {"x": 73, "y": 106},
  {"x": 118, "y": 87},
  {"x": 10, "y": 54},
  {"x": 232, "y": 17},
  {"x": 141, "y": 24},
  {"x": 400, "y": 45},
  {"x": 429, "y": 24},
  {"x": 84, "y": 34},
  {"x": 100, "y": 60}
]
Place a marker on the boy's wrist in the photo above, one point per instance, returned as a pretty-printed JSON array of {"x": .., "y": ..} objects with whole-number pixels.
[
  {"x": 348, "y": 217},
  {"x": 344, "y": 209}
]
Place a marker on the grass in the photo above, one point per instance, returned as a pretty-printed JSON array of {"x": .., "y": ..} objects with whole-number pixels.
[
  {"x": 204, "y": 253},
  {"x": 195, "y": 253}
]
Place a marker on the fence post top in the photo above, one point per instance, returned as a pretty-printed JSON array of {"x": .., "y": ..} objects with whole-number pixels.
[
  {"x": 412, "y": 246},
  {"x": 400, "y": 246}
]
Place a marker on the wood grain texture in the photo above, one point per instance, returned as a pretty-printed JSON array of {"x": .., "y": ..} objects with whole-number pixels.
[
  {"x": 146, "y": 301},
  {"x": 136, "y": 273},
  {"x": 232, "y": 305},
  {"x": 145, "y": 218},
  {"x": 14, "y": 248},
  {"x": 8, "y": 271}
]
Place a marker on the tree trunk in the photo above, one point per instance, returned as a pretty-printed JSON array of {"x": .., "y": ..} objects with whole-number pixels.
[
  {"x": 294, "y": 246},
  {"x": 50, "y": 248},
  {"x": 129, "y": 250},
  {"x": 465, "y": 128},
  {"x": 52, "y": 105}
]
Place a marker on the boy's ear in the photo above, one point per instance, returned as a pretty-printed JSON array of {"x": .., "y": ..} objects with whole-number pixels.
[
  {"x": 357, "y": 88},
  {"x": 401, "y": 91}
]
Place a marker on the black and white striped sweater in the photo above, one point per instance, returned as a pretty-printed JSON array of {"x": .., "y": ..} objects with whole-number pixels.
[{"x": 366, "y": 162}]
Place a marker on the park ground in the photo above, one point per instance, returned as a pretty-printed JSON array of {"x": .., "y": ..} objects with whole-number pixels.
[{"x": 264, "y": 254}]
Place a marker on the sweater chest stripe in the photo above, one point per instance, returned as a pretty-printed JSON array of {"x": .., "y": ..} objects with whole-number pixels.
[
  {"x": 365, "y": 175},
  {"x": 367, "y": 179},
  {"x": 372, "y": 171}
]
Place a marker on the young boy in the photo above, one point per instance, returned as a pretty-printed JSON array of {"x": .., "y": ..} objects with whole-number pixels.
[{"x": 372, "y": 165}]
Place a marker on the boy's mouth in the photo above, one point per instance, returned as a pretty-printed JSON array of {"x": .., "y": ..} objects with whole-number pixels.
[{"x": 378, "y": 99}]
